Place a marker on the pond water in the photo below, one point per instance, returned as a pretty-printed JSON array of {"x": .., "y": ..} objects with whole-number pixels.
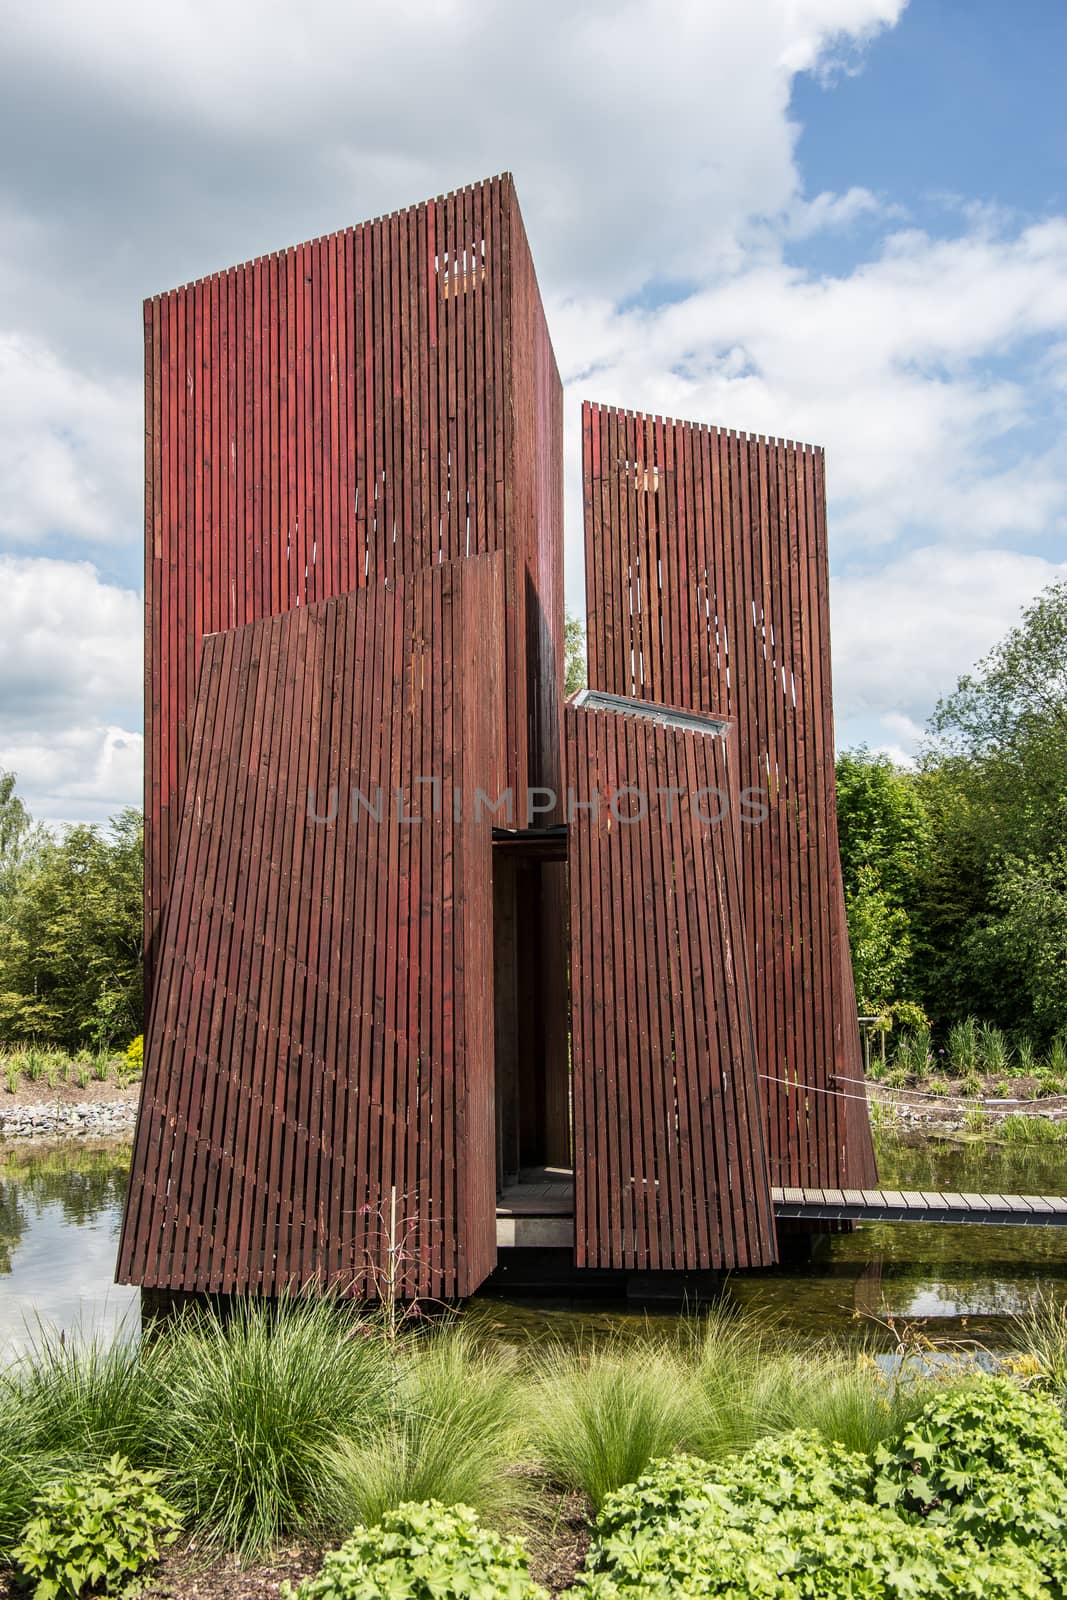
[
  {"x": 60, "y": 1209},
  {"x": 61, "y": 1204}
]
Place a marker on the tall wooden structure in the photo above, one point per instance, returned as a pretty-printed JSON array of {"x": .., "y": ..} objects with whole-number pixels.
[
  {"x": 347, "y": 411},
  {"x": 354, "y": 619},
  {"x": 670, "y": 1169},
  {"x": 707, "y": 587}
]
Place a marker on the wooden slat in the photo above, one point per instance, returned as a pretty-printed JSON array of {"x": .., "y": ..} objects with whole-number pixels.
[
  {"x": 707, "y": 586},
  {"x": 245, "y": 1140},
  {"x": 670, "y": 1169},
  {"x": 335, "y": 416}
]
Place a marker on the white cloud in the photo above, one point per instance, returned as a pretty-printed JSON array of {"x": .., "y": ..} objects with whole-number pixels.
[
  {"x": 70, "y": 668},
  {"x": 82, "y": 774},
  {"x": 897, "y": 367},
  {"x": 903, "y": 633},
  {"x": 70, "y": 455},
  {"x": 644, "y": 136},
  {"x": 651, "y": 142}
]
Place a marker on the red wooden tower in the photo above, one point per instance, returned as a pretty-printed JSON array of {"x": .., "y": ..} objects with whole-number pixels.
[{"x": 369, "y": 837}]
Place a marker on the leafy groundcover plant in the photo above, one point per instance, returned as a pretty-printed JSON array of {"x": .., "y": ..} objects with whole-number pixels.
[
  {"x": 423, "y": 1552},
  {"x": 786, "y": 1521},
  {"x": 987, "y": 1462},
  {"x": 95, "y": 1531}
]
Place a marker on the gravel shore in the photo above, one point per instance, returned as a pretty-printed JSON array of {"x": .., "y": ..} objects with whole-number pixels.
[{"x": 97, "y": 1118}]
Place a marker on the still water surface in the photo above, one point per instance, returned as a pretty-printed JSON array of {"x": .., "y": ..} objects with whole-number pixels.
[{"x": 60, "y": 1208}]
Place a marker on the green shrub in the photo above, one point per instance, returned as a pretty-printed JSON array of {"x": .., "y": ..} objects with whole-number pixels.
[
  {"x": 855, "y": 1550},
  {"x": 989, "y": 1460},
  {"x": 786, "y": 1521},
  {"x": 1049, "y": 1084},
  {"x": 797, "y": 1470},
  {"x": 95, "y": 1531},
  {"x": 423, "y": 1552}
]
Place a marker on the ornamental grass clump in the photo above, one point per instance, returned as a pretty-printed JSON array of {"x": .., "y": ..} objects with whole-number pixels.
[
  {"x": 452, "y": 1433},
  {"x": 750, "y": 1382},
  {"x": 256, "y": 1405},
  {"x": 80, "y": 1399},
  {"x": 22, "y": 1473},
  {"x": 747, "y": 1381},
  {"x": 601, "y": 1415},
  {"x": 423, "y": 1552}
]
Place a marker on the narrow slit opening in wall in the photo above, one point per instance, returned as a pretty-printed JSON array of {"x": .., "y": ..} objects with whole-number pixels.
[
  {"x": 460, "y": 271},
  {"x": 642, "y": 477}
]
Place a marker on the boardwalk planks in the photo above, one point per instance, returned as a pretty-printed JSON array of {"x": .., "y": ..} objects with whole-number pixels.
[
  {"x": 707, "y": 587},
  {"x": 322, "y": 1032},
  {"x": 670, "y": 1167}
]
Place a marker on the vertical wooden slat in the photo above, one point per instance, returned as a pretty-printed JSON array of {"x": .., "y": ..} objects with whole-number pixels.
[
  {"x": 738, "y": 539},
  {"x": 316, "y": 421},
  {"x": 244, "y": 1146},
  {"x": 670, "y": 1165}
]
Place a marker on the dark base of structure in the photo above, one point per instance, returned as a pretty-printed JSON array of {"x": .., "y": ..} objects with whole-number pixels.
[
  {"x": 551, "y": 1274},
  {"x": 548, "y": 1272}
]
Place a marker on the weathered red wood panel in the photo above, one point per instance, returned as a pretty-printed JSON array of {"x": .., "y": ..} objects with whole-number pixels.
[
  {"x": 670, "y": 1166},
  {"x": 707, "y": 587},
  {"x": 322, "y": 1032},
  {"x": 347, "y": 411}
]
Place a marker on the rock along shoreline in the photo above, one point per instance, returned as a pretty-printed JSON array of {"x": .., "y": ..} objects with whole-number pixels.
[{"x": 85, "y": 1118}]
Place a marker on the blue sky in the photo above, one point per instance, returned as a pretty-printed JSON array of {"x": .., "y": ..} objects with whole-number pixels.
[
  {"x": 838, "y": 220},
  {"x": 962, "y": 97}
]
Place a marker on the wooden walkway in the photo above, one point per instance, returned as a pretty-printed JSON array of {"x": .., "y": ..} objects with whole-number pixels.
[
  {"x": 892, "y": 1205},
  {"x": 537, "y": 1208}
]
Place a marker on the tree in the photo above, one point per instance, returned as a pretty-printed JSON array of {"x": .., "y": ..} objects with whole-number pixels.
[
  {"x": 70, "y": 946},
  {"x": 884, "y": 837},
  {"x": 878, "y": 938},
  {"x": 575, "y": 676},
  {"x": 20, "y": 837},
  {"x": 1031, "y": 898},
  {"x": 994, "y": 783},
  {"x": 881, "y": 823}
]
